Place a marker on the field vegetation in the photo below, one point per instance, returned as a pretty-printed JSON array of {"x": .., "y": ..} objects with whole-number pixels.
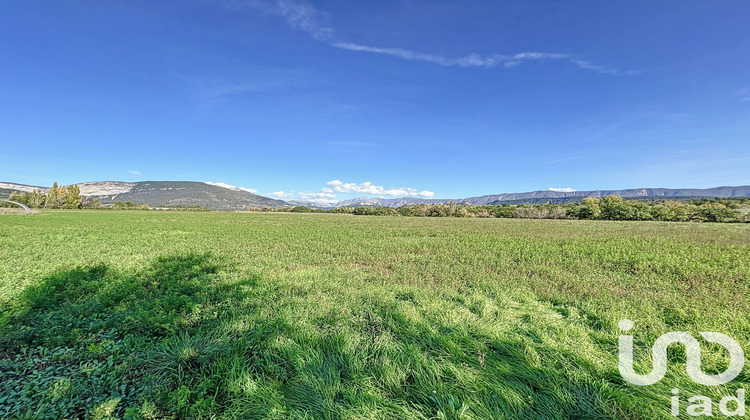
[
  {"x": 611, "y": 207},
  {"x": 144, "y": 314}
]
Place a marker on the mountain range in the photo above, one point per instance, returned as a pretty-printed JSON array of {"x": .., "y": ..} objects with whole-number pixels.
[
  {"x": 557, "y": 197},
  {"x": 215, "y": 197},
  {"x": 164, "y": 194}
]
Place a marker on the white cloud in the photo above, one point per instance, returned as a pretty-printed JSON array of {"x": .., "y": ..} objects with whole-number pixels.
[
  {"x": 319, "y": 195},
  {"x": 566, "y": 189},
  {"x": 328, "y": 195},
  {"x": 231, "y": 187},
  {"x": 281, "y": 194},
  {"x": 134, "y": 172},
  {"x": 369, "y": 188},
  {"x": 325, "y": 196}
]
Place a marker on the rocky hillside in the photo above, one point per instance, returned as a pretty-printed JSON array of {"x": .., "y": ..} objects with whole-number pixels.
[{"x": 165, "y": 194}]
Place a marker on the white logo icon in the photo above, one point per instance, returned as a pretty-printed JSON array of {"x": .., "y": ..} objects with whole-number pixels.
[{"x": 693, "y": 348}]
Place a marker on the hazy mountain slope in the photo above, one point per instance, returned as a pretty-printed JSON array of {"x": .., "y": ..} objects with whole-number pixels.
[
  {"x": 7, "y": 188},
  {"x": 182, "y": 193},
  {"x": 164, "y": 193}
]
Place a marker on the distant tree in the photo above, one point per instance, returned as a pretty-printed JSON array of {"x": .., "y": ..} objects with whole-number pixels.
[
  {"x": 385, "y": 211},
  {"x": 301, "y": 209},
  {"x": 639, "y": 210},
  {"x": 51, "y": 194},
  {"x": 743, "y": 214},
  {"x": 462, "y": 211},
  {"x": 37, "y": 199},
  {"x": 72, "y": 197},
  {"x": 681, "y": 211},
  {"x": 363, "y": 211},
  {"x": 504, "y": 210},
  {"x": 590, "y": 208},
  {"x": 346, "y": 210},
  {"x": 662, "y": 212},
  {"x": 19, "y": 197},
  {"x": 408, "y": 210},
  {"x": 612, "y": 208},
  {"x": 716, "y": 212},
  {"x": 92, "y": 203},
  {"x": 56, "y": 197},
  {"x": 123, "y": 205}
]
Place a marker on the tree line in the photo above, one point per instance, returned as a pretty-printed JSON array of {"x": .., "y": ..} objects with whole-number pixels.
[
  {"x": 57, "y": 197},
  {"x": 611, "y": 207}
]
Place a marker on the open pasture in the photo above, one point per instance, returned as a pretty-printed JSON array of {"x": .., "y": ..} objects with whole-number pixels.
[{"x": 148, "y": 314}]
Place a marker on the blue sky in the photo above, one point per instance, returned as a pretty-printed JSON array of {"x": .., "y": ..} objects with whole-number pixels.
[{"x": 313, "y": 99}]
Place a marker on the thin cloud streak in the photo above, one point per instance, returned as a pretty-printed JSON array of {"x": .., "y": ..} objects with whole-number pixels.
[
  {"x": 471, "y": 60},
  {"x": 304, "y": 17},
  {"x": 476, "y": 60}
]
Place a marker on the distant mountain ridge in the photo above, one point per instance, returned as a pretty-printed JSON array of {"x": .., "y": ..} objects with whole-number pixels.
[
  {"x": 555, "y": 197},
  {"x": 164, "y": 194},
  {"x": 190, "y": 193}
]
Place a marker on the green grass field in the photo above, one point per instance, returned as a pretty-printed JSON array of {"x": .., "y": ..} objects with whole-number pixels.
[{"x": 148, "y": 314}]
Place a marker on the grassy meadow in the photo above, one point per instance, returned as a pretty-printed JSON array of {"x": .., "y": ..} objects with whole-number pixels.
[{"x": 148, "y": 314}]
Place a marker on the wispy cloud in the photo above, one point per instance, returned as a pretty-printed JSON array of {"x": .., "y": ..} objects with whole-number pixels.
[
  {"x": 230, "y": 89},
  {"x": 134, "y": 172},
  {"x": 369, "y": 188},
  {"x": 567, "y": 159},
  {"x": 281, "y": 194},
  {"x": 566, "y": 189},
  {"x": 603, "y": 70},
  {"x": 302, "y": 16},
  {"x": 492, "y": 60},
  {"x": 298, "y": 15},
  {"x": 231, "y": 187},
  {"x": 264, "y": 80},
  {"x": 471, "y": 60}
]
